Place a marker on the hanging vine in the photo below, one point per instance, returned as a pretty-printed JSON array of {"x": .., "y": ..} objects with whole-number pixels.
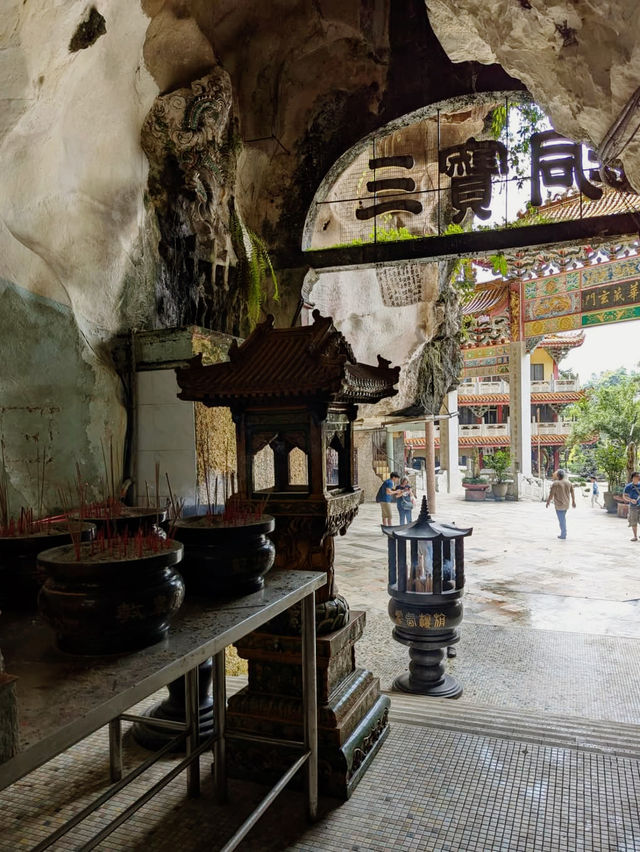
[{"x": 254, "y": 269}]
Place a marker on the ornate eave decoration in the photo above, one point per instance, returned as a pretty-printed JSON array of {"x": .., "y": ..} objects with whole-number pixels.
[{"x": 306, "y": 363}]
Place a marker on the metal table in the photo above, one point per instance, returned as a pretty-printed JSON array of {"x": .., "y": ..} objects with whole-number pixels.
[{"x": 63, "y": 698}]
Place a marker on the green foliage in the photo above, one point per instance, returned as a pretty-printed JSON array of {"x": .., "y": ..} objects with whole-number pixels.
[
  {"x": 582, "y": 460},
  {"x": 515, "y": 128},
  {"x": 609, "y": 409},
  {"x": 611, "y": 378},
  {"x": 391, "y": 235},
  {"x": 474, "y": 480},
  {"x": 499, "y": 264},
  {"x": 386, "y": 234},
  {"x": 254, "y": 268},
  {"x": 500, "y": 463},
  {"x": 610, "y": 412},
  {"x": 611, "y": 458}
]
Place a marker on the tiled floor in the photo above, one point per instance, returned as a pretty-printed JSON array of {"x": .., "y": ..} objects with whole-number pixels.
[
  {"x": 550, "y": 628},
  {"x": 427, "y": 790},
  {"x": 577, "y": 674}
]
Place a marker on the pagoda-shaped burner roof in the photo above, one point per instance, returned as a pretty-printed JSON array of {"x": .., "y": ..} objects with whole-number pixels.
[{"x": 305, "y": 362}]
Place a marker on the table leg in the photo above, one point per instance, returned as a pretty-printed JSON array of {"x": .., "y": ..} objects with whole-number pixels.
[
  {"x": 193, "y": 728},
  {"x": 310, "y": 701},
  {"x": 115, "y": 749},
  {"x": 220, "y": 710}
]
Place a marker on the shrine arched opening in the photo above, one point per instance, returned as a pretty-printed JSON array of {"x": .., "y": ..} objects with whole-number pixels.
[{"x": 392, "y": 232}]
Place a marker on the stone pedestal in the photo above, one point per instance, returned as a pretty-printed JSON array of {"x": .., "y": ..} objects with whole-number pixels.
[{"x": 352, "y": 715}]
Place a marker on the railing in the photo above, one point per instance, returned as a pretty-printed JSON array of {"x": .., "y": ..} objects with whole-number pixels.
[
  {"x": 475, "y": 388},
  {"x": 483, "y": 430},
  {"x": 555, "y": 386},
  {"x": 562, "y": 427},
  {"x": 490, "y": 430}
]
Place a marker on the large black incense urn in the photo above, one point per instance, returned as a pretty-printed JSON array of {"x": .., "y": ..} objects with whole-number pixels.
[
  {"x": 224, "y": 555},
  {"x": 109, "y": 597},
  {"x": 21, "y": 577},
  {"x": 426, "y": 583}
]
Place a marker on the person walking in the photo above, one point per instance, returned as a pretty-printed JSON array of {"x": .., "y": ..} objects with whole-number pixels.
[
  {"x": 631, "y": 495},
  {"x": 595, "y": 494},
  {"x": 406, "y": 501},
  {"x": 562, "y": 494},
  {"x": 386, "y": 495}
]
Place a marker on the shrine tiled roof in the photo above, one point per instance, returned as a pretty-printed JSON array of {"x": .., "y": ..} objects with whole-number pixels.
[
  {"x": 491, "y": 441},
  {"x": 563, "y": 340},
  {"x": 503, "y": 398},
  {"x": 487, "y": 299},
  {"x": 574, "y": 206},
  {"x": 313, "y": 361}
]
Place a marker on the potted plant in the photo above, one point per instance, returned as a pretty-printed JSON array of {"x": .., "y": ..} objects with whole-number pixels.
[
  {"x": 475, "y": 488},
  {"x": 611, "y": 458},
  {"x": 500, "y": 463}
]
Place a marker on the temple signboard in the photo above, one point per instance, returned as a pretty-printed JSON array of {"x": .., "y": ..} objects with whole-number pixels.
[
  {"x": 555, "y": 162},
  {"x": 453, "y": 182},
  {"x": 593, "y": 295},
  {"x": 486, "y": 361}
]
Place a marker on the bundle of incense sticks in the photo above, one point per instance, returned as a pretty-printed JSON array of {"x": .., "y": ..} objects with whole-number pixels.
[
  {"x": 176, "y": 508},
  {"x": 26, "y": 524},
  {"x": 124, "y": 546},
  {"x": 238, "y": 512}
]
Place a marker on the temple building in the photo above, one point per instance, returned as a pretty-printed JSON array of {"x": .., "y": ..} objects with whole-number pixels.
[{"x": 483, "y": 411}]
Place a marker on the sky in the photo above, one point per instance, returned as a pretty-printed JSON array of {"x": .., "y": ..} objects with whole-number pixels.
[{"x": 605, "y": 348}]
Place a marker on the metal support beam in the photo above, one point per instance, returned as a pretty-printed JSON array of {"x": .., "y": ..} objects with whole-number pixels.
[{"x": 471, "y": 244}]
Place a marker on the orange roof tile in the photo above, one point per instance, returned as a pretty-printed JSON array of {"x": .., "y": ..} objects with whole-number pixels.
[{"x": 503, "y": 398}]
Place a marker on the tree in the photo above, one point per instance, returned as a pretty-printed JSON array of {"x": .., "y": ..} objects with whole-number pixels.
[
  {"x": 500, "y": 462},
  {"x": 611, "y": 459},
  {"x": 610, "y": 411},
  {"x": 582, "y": 460}
]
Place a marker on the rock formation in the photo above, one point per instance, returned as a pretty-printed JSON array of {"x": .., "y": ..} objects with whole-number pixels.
[{"x": 580, "y": 61}]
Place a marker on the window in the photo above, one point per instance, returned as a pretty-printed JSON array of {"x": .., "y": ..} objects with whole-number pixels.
[
  {"x": 264, "y": 470},
  {"x": 537, "y": 372},
  {"x": 298, "y": 465}
]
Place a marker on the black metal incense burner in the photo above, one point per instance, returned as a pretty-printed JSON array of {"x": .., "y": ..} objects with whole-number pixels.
[{"x": 426, "y": 586}]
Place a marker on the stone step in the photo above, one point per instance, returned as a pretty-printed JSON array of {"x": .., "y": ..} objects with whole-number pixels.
[
  {"x": 619, "y": 739},
  {"x": 615, "y": 738}
]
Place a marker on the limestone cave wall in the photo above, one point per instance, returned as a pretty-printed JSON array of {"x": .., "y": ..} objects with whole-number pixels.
[
  {"x": 141, "y": 143},
  {"x": 579, "y": 60}
]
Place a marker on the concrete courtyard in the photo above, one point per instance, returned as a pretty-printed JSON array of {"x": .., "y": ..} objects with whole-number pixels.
[{"x": 550, "y": 626}]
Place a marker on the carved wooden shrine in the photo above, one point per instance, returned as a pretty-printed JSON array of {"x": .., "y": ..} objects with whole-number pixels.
[{"x": 293, "y": 394}]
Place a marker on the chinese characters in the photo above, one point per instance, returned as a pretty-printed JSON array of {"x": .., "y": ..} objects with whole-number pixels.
[
  {"x": 471, "y": 167},
  {"x": 555, "y": 162},
  {"x": 611, "y": 295},
  {"x": 390, "y": 203}
]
